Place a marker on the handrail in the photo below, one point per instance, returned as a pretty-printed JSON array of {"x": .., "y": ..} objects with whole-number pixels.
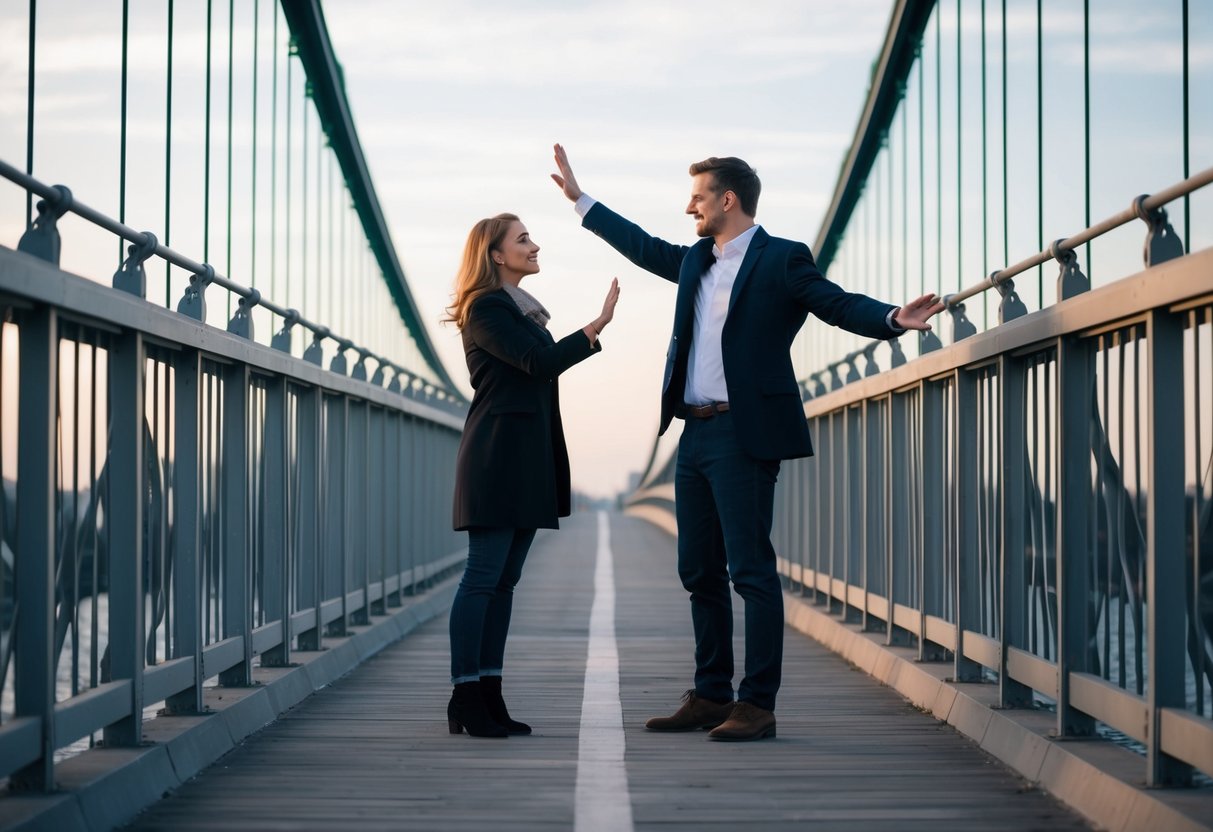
[
  {"x": 1146, "y": 207},
  {"x": 1140, "y": 209},
  {"x": 62, "y": 199}
]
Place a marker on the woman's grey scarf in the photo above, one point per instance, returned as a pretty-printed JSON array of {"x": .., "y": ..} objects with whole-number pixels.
[{"x": 528, "y": 304}]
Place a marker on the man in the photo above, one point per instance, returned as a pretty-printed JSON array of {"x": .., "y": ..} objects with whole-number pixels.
[{"x": 742, "y": 297}]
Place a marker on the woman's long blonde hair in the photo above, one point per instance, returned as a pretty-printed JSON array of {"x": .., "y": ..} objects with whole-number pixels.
[{"x": 477, "y": 273}]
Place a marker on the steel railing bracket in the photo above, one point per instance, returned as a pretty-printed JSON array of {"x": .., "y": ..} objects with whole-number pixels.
[
  {"x": 131, "y": 276},
  {"x": 282, "y": 338},
  {"x": 359, "y": 371},
  {"x": 339, "y": 364},
  {"x": 1070, "y": 280},
  {"x": 314, "y": 354},
  {"x": 1162, "y": 243},
  {"x": 1011, "y": 306},
  {"x": 962, "y": 327},
  {"x": 42, "y": 239},
  {"x": 193, "y": 302},
  {"x": 242, "y": 322}
]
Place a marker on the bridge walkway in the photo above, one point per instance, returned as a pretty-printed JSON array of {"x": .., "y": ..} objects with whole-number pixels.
[{"x": 372, "y": 751}]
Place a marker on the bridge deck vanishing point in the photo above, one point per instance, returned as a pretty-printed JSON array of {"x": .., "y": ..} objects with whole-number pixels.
[{"x": 372, "y": 750}]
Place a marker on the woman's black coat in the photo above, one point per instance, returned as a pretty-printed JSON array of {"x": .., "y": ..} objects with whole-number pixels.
[{"x": 513, "y": 466}]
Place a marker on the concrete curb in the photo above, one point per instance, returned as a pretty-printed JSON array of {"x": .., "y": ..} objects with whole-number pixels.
[
  {"x": 107, "y": 787},
  {"x": 1101, "y": 781}
]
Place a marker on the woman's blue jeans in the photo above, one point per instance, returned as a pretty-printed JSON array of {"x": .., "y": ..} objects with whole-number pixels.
[{"x": 480, "y": 613}]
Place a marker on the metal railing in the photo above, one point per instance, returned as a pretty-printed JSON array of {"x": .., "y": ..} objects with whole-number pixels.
[{"x": 188, "y": 502}]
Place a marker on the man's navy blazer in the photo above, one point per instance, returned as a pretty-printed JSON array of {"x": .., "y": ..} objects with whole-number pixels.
[{"x": 777, "y": 286}]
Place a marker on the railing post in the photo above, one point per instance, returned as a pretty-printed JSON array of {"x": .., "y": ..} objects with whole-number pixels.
[
  {"x": 897, "y": 550},
  {"x": 854, "y": 439},
  {"x": 1012, "y": 523},
  {"x": 1075, "y": 380},
  {"x": 236, "y": 603},
  {"x": 824, "y": 518},
  {"x": 966, "y": 498},
  {"x": 838, "y": 505},
  {"x": 391, "y": 504},
  {"x": 125, "y": 496},
  {"x": 187, "y": 529},
  {"x": 276, "y": 547},
  {"x": 930, "y": 575},
  {"x": 1166, "y": 540},
  {"x": 376, "y": 497},
  {"x": 307, "y": 515},
  {"x": 409, "y": 502},
  {"x": 336, "y": 550},
  {"x": 362, "y": 476},
  {"x": 875, "y": 519},
  {"x": 34, "y": 665}
]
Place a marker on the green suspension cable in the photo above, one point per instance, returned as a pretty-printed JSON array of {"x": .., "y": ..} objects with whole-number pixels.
[
  {"x": 206, "y": 165},
  {"x": 939, "y": 148},
  {"x": 126, "y": 17},
  {"x": 168, "y": 154},
  {"x": 319, "y": 214},
  {"x": 1040, "y": 151},
  {"x": 922, "y": 189},
  {"x": 905, "y": 200},
  {"x": 959, "y": 161},
  {"x": 1006, "y": 201},
  {"x": 231, "y": 40},
  {"x": 332, "y": 201},
  {"x": 253, "y": 218},
  {"x": 1187, "y": 159},
  {"x": 289, "y": 168},
  {"x": 985, "y": 220},
  {"x": 29, "y": 114},
  {"x": 274, "y": 171},
  {"x": 889, "y": 218},
  {"x": 324, "y": 277},
  {"x": 303, "y": 207},
  {"x": 345, "y": 239},
  {"x": 1086, "y": 128}
]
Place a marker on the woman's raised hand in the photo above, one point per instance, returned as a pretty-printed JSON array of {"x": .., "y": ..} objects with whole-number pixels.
[{"x": 596, "y": 326}]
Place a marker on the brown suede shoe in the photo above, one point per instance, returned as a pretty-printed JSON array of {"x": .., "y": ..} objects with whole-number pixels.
[
  {"x": 746, "y": 722},
  {"x": 695, "y": 713}
]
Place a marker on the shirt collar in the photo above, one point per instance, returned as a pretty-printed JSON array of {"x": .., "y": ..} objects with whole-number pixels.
[{"x": 737, "y": 245}]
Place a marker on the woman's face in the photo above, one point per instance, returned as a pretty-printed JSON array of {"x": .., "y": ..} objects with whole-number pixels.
[{"x": 517, "y": 255}]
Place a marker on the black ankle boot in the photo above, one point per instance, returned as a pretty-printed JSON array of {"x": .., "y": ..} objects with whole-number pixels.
[
  {"x": 467, "y": 710},
  {"x": 490, "y": 689}
]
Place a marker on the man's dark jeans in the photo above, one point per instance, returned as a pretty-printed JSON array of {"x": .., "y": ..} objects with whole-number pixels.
[{"x": 724, "y": 500}]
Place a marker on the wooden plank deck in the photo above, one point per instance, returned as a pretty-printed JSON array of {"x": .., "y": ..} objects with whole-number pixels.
[{"x": 372, "y": 751}]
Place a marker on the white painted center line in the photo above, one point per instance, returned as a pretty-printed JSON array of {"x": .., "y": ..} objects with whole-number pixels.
[{"x": 602, "y": 800}]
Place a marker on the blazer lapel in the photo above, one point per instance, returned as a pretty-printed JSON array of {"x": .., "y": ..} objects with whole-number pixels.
[
  {"x": 696, "y": 262},
  {"x": 757, "y": 244}
]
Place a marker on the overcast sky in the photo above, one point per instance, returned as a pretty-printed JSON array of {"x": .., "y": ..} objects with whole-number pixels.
[{"x": 458, "y": 104}]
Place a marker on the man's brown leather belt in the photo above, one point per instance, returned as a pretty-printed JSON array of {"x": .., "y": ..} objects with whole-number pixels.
[{"x": 707, "y": 411}]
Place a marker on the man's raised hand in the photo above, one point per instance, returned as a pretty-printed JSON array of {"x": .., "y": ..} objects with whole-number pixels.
[{"x": 565, "y": 179}]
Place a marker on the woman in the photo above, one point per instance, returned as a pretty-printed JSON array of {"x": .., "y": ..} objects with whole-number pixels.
[{"x": 512, "y": 473}]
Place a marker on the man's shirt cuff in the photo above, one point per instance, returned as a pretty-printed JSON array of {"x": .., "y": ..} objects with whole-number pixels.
[
  {"x": 888, "y": 318},
  {"x": 583, "y": 205}
]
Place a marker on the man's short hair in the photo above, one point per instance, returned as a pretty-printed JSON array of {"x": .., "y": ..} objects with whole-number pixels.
[{"x": 732, "y": 174}]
